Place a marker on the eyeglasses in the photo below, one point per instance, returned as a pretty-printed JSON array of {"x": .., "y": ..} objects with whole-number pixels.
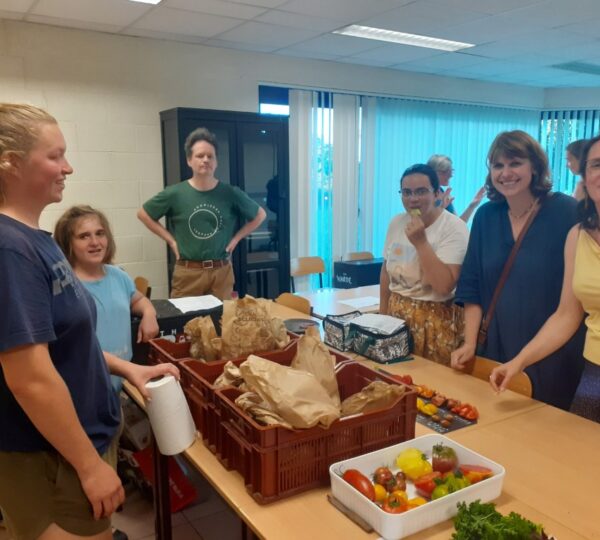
[
  {"x": 593, "y": 165},
  {"x": 419, "y": 192}
]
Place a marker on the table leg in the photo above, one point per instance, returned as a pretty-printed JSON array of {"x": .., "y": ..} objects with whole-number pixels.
[{"x": 162, "y": 500}]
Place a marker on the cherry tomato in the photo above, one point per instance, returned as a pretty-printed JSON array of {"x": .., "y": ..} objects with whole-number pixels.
[
  {"x": 426, "y": 483},
  {"x": 360, "y": 482},
  {"x": 384, "y": 477}
]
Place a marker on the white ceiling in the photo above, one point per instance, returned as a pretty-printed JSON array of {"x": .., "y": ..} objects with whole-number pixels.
[{"x": 517, "y": 41}]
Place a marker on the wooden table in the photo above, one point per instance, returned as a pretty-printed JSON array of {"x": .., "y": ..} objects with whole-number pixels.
[
  {"x": 331, "y": 301},
  {"x": 551, "y": 461}
]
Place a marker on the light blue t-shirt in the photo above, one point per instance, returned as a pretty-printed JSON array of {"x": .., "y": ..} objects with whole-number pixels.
[{"x": 113, "y": 294}]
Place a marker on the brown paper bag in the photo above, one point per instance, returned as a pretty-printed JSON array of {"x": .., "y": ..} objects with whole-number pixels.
[
  {"x": 253, "y": 405},
  {"x": 201, "y": 332},
  {"x": 313, "y": 356},
  {"x": 231, "y": 376},
  {"x": 295, "y": 395},
  {"x": 247, "y": 327},
  {"x": 376, "y": 395}
]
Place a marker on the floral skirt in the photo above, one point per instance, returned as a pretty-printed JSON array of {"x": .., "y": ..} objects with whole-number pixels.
[{"x": 437, "y": 328}]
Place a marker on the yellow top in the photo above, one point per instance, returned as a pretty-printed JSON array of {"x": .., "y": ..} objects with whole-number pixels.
[{"x": 586, "y": 286}]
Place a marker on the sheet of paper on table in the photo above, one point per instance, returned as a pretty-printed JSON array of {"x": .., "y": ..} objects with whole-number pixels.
[
  {"x": 361, "y": 302},
  {"x": 196, "y": 303}
]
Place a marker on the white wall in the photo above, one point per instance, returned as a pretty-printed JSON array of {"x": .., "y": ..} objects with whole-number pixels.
[{"x": 107, "y": 90}]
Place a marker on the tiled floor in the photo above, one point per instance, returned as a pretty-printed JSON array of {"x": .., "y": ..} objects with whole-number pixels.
[{"x": 210, "y": 519}]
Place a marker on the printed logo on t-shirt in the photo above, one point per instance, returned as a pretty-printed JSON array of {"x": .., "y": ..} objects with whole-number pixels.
[
  {"x": 63, "y": 278},
  {"x": 205, "y": 221}
]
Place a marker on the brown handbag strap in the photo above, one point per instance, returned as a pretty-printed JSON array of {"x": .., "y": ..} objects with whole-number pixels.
[{"x": 507, "y": 266}]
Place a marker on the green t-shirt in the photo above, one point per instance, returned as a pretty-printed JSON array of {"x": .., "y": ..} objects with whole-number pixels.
[{"x": 202, "y": 222}]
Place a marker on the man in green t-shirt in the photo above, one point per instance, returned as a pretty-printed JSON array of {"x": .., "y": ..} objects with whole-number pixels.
[{"x": 203, "y": 213}]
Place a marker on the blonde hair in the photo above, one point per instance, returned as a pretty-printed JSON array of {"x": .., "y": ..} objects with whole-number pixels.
[
  {"x": 19, "y": 131},
  {"x": 65, "y": 229}
]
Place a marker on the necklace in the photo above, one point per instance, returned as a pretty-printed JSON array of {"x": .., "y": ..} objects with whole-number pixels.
[{"x": 522, "y": 214}]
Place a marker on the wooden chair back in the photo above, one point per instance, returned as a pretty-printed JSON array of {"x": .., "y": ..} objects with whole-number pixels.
[
  {"x": 304, "y": 266},
  {"x": 293, "y": 301},
  {"x": 143, "y": 285},
  {"x": 520, "y": 383},
  {"x": 358, "y": 256}
]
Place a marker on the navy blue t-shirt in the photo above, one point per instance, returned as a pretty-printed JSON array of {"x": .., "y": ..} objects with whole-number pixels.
[{"x": 43, "y": 302}]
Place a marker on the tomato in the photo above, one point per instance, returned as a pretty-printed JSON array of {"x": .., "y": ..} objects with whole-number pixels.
[
  {"x": 440, "y": 491},
  {"x": 475, "y": 473},
  {"x": 384, "y": 477},
  {"x": 443, "y": 458},
  {"x": 401, "y": 481},
  {"x": 360, "y": 482},
  {"x": 396, "y": 503},
  {"x": 416, "y": 501},
  {"x": 467, "y": 411},
  {"x": 413, "y": 463},
  {"x": 380, "y": 493},
  {"x": 427, "y": 483}
]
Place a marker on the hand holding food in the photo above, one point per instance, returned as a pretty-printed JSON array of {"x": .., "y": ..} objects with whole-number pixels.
[{"x": 415, "y": 229}]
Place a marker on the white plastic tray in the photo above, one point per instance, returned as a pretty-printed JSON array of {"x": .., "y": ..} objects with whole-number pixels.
[{"x": 395, "y": 526}]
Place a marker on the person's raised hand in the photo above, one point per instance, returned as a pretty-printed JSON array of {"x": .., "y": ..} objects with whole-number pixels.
[{"x": 415, "y": 230}]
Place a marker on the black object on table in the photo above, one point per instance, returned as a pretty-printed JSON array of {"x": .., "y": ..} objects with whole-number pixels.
[
  {"x": 170, "y": 322},
  {"x": 350, "y": 274}
]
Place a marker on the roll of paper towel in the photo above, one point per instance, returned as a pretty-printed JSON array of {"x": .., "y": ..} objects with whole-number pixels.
[{"x": 170, "y": 416}]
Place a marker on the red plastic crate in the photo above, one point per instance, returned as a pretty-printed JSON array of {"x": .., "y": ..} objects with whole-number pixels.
[
  {"x": 277, "y": 462},
  {"x": 163, "y": 350},
  {"x": 198, "y": 385}
]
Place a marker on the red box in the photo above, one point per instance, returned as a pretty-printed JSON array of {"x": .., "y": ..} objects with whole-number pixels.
[
  {"x": 276, "y": 462},
  {"x": 198, "y": 385}
]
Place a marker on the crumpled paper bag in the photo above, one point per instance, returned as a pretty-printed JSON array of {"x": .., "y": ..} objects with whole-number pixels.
[
  {"x": 248, "y": 327},
  {"x": 313, "y": 356},
  {"x": 203, "y": 337},
  {"x": 376, "y": 395},
  {"x": 231, "y": 376},
  {"x": 295, "y": 395},
  {"x": 259, "y": 410}
]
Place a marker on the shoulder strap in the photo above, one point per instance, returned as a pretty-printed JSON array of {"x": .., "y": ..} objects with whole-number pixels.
[{"x": 507, "y": 266}]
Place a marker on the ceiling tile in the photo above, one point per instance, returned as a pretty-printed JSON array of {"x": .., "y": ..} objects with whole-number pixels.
[
  {"x": 14, "y": 15},
  {"x": 216, "y": 7},
  {"x": 156, "y": 34},
  {"x": 554, "y": 13},
  {"x": 395, "y": 54},
  {"x": 295, "y": 20},
  {"x": 343, "y": 10},
  {"x": 586, "y": 28},
  {"x": 253, "y": 47},
  {"x": 263, "y": 3},
  {"x": 68, "y": 23},
  {"x": 337, "y": 45},
  {"x": 16, "y": 6},
  {"x": 267, "y": 35},
  {"x": 317, "y": 55},
  {"x": 112, "y": 12},
  {"x": 447, "y": 61},
  {"x": 492, "y": 7},
  {"x": 178, "y": 21}
]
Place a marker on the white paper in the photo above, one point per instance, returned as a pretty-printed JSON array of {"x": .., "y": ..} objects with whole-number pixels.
[
  {"x": 361, "y": 302},
  {"x": 170, "y": 416},
  {"x": 196, "y": 303},
  {"x": 385, "y": 324}
]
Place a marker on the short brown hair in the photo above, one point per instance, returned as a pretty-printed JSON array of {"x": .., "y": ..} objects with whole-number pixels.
[
  {"x": 518, "y": 144},
  {"x": 19, "y": 131},
  {"x": 65, "y": 229},
  {"x": 200, "y": 134}
]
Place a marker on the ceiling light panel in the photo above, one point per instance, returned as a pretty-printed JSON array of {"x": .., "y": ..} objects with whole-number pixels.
[
  {"x": 147, "y": 1},
  {"x": 380, "y": 34}
]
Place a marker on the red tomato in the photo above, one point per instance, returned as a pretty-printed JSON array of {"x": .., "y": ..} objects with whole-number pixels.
[
  {"x": 475, "y": 473},
  {"x": 360, "y": 482},
  {"x": 426, "y": 483},
  {"x": 406, "y": 379}
]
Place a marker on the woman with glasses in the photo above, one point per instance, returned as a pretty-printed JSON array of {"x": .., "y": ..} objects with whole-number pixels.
[
  {"x": 580, "y": 296},
  {"x": 518, "y": 185},
  {"x": 423, "y": 252}
]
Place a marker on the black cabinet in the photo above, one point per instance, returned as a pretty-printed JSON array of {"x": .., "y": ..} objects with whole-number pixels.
[{"x": 253, "y": 155}]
